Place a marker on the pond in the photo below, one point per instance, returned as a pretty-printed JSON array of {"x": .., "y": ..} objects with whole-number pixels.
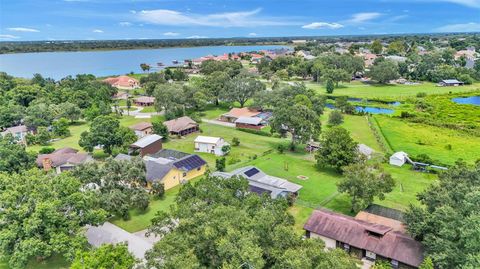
[
  {"x": 472, "y": 100},
  {"x": 368, "y": 109},
  {"x": 360, "y": 100}
]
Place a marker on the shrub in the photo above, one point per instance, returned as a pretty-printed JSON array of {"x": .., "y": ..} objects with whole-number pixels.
[
  {"x": 405, "y": 114},
  {"x": 46, "y": 150},
  {"x": 253, "y": 131},
  {"x": 158, "y": 189},
  {"x": 424, "y": 158},
  {"x": 421, "y": 94},
  {"x": 335, "y": 118},
  {"x": 99, "y": 155},
  {"x": 235, "y": 141},
  {"x": 233, "y": 161},
  {"x": 281, "y": 148},
  {"x": 220, "y": 164},
  {"x": 226, "y": 149},
  {"x": 448, "y": 147}
]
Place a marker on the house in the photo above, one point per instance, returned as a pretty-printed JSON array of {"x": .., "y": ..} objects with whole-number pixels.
[
  {"x": 399, "y": 158},
  {"x": 369, "y": 59},
  {"x": 365, "y": 240},
  {"x": 396, "y": 58},
  {"x": 146, "y": 145},
  {"x": 182, "y": 126},
  {"x": 144, "y": 101},
  {"x": 210, "y": 144},
  {"x": 121, "y": 96},
  {"x": 109, "y": 233},
  {"x": 235, "y": 113},
  {"x": 384, "y": 216},
  {"x": 142, "y": 129},
  {"x": 123, "y": 82},
  {"x": 173, "y": 167},
  {"x": 255, "y": 123},
  {"x": 450, "y": 82},
  {"x": 261, "y": 183},
  {"x": 62, "y": 160},
  {"x": 18, "y": 132},
  {"x": 365, "y": 150}
]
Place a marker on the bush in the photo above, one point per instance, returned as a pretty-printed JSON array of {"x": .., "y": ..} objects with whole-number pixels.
[
  {"x": 423, "y": 158},
  {"x": 158, "y": 189},
  {"x": 235, "y": 141},
  {"x": 220, "y": 164},
  {"x": 405, "y": 114},
  {"x": 421, "y": 94},
  {"x": 46, "y": 150},
  {"x": 226, "y": 149},
  {"x": 253, "y": 131},
  {"x": 335, "y": 118},
  {"x": 233, "y": 161},
  {"x": 281, "y": 148},
  {"x": 100, "y": 155}
]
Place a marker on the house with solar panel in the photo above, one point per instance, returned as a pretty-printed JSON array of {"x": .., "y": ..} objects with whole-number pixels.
[
  {"x": 172, "y": 167},
  {"x": 260, "y": 183}
]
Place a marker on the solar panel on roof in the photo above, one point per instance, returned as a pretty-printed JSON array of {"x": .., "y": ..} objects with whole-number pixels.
[
  {"x": 190, "y": 162},
  {"x": 258, "y": 190},
  {"x": 251, "y": 172}
]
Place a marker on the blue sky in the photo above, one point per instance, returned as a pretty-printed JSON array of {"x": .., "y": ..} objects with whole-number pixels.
[{"x": 23, "y": 20}]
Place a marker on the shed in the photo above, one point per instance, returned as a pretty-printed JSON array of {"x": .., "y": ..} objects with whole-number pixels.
[
  {"x": 256, "y": 123},
  {"x": 450, "y": 82},
  {"x": 147, "y": 145},
  {"x": 398, "y": 158}
]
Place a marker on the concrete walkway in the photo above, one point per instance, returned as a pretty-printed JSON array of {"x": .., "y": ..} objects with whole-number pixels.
[
  {"x": 222, "y": 123},
  {"x": 151, "y": 238},
  {"x": 136, "y": 112}
]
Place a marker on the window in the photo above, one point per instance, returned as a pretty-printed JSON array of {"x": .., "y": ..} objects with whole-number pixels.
[
  {"x": 370, "y": 255},
  {"x": 184, "y": 174},
  {"x": 394, "y": 263},
  {"x": 198, "y": 169}
]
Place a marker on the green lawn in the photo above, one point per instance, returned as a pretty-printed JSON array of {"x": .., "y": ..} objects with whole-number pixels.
[
  {"x": 390, "y": 92},
  {"x": 360, "y": 131},
  {"x": 415, "y": 139},
  {"x": 148, "y": 109},
  {"x": 54, "y": 262},
  {"x": 214, "y": 112}
]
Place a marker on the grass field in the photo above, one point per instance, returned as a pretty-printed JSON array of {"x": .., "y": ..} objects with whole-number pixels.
[
  {"x": 415, "y": 139},
  {"x": 390, "y": 92}
]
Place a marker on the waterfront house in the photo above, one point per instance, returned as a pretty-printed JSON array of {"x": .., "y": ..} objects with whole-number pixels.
[
  {"x": 144, "y": 101},
  {"x": 146, "y": 145},
  {"x": 182, "y": 126},
  {"x": 172, "y": 167},
  {"x": 364, "y": 240},
  {"x": 210, "y": 144},
  {"x": 62, "y": 160},
  {"x": 260, "y": 183},
  {"x": 142, "y": 129},
  {"x": 123, "y": 82}
]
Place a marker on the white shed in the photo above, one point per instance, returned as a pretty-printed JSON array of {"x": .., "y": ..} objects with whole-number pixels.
[
  {"x": 209, "y": 144},
  {"x": 398, "y": 158}
]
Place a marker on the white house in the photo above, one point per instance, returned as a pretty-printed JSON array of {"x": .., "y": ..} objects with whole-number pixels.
[
  {"x": 209, "y": 144},
  {"x": 398, "y": 158}
]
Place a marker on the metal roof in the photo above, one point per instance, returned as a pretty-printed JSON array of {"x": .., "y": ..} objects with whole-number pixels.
[
  {"x": 147, "y": 140},
  {"x": 207, "y": 139},
  {"x": 249, "y": 120}
]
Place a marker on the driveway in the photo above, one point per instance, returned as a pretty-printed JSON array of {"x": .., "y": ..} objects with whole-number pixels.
[
  {"x": 136, "y": 112},
  {"x": 222, "y": 123}
]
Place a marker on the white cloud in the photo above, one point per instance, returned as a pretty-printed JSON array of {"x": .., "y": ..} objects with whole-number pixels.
[
  {"x": 97, "y": 31},
  {"x": 171, "y": 34},
  {"x": 22, "y": 29},
  {"x": 460, "y": 27},
  {"x": 228, "y": 19},
  {"x": 468, "y": 3},
  {"x": 322, "y": 25},
  {"x": 252, "y": 34},
  {"x": 197, "y": 37},
  {"x": 125, "y": 23},
  {"x": 8, "y": 37},
  {"x": 364, "y": 17}
]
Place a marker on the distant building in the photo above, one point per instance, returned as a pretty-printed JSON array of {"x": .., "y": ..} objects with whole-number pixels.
[
  {"x": 398, "y": 158},
  {"x": 63, "y": 159},
  {"x": 369, "y": 59},
  {"x": 255, "y": 123},
  {"x": 144, "y": 101},
  {"x": 123, "y": 82},
  {"x": 182, "y": 126},
  {"x": 260, "y": 183},
  {"x": 365, "y": 240},
  {"x": 396, "y": 58},
  {"x": 365, "y": 150},
  {"x": 146, "y": 145},
  {"x": 142, "y": 129},
  {"x": 210, "y": 144},
  {"x": 172, "y": 167},
  {"x": 18, "y": 132},
  {"x": 236, "y": 113},
  {"x": 450, "y": 83}
]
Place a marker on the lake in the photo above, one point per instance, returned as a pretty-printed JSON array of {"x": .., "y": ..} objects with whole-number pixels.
[
  {"x": 472, "y": 100},
  {"x": 368, "y": 109},
  {"x": 57, "y": 65}
]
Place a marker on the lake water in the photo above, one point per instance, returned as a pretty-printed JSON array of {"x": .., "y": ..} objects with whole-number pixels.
[
  {"x": 367, "y": 109},
  {"x": 57, "y": 65},
  {"x": 472, "y": 100}
]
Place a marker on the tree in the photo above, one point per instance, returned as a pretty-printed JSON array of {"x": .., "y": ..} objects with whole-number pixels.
[
  {"x": 426, "y": 264},
  {"x": 220, "y": 164},
  {"x": 70, "y": 111},
  {"x": 226, "y": 149},
  {"x": 363, "y": 183},
  {"x": 448, "y": 220},
  {"x": 60, "y": 127},
  {"x": 53, "y": 224},
  {"x": 10, "y": 115},
  {"x": 396, "y": 47},
  {"x": 329, "y": 86},
  {"x": 129, "y": 105},
  {"x": 215, "y": 85},
  {"x": 336, "y": 75},
  {"x": 235, "y": 141},
  {"x": 145, "y": 67},
  {"x": 335, "y": 118},
  {"x": 104, "y": 131},
  {"x": 105, "y": 256},
  {"x": 218, "y": 223},
  {"x": 160, "y": 129},
  {"x": 120, "y": 184},
  {"x": 300, "y": 121},
  {"x": 13, "y": 157},
  {"x": 383, "y": 71},
  {"x": 337, "y": 149},
  {"x": 38, "y": 115},
  {"x": 43, "y": 136},
  {"x": 241, "y": 89},
  {"x": 158, "y": 189},
  {"x": 376, "y": 47},
  {"x": 171, "y": 98}
]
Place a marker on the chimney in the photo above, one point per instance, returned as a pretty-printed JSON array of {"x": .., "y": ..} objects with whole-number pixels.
[{"x": 47, "y": 164}]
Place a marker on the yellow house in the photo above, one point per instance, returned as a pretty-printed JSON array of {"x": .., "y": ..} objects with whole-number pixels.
[{"x": 173, "y": 167}]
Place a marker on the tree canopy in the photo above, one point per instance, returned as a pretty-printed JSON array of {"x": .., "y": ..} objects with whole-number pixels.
[
  {"x": 13, "y": 156},
  {"x": 106, "y": 256},
  {"x": 337, "y": 149}
]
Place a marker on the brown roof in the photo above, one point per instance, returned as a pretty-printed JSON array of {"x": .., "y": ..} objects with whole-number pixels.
[
  {"x": 63, "y": 156},
  {"x": 121, "y": 81},
  {"x": 372, "y": 218},
  {"x": 241, "y": 112},
  {"x": 358, "y": 233},
  {"x": 141, "y": 126},
  {"x": 16, "y": 129},
  {"x": 145, "y": 99},
  {"x": 180, "y": 124}
]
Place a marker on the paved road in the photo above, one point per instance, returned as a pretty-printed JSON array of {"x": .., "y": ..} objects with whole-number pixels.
[{"x": 222, "y": 123}]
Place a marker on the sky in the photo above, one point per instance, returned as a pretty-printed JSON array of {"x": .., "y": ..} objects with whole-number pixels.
[{"x": 24, "y": 20}]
